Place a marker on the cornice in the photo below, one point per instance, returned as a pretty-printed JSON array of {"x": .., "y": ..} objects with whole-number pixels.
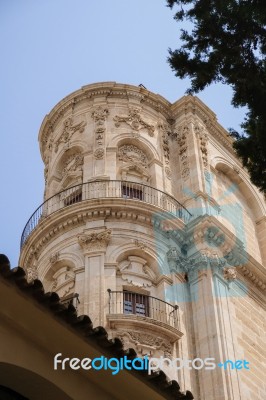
[
  {"x": 193, "y": 105},
  {"x": 58, "y": 222},
  {"x": 186, "y": 106},
  {"x": 108, "y": 90}
]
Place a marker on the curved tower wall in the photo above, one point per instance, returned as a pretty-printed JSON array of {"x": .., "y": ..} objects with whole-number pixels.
[{"x": 146, "y": 209}]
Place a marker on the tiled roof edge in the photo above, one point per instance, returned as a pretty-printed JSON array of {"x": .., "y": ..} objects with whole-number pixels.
[{"x": 84, "y": 327}]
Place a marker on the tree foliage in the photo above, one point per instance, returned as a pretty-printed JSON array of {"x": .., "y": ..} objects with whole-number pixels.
[{"x": 227, "y": 43}]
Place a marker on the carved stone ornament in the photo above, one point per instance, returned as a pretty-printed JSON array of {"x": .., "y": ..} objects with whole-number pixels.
[
  {"x": 134, "y": 120},
  {"x": 99, "y": 115},
  {"x": 96, "y": 240},
  {"x": 54, "y": 257},
  {"x": 132, "y": 154},
  {"x": 99, "y": 135},
  {"x": 203, "y": 139},
  {"x": 140, "y": 338},
  {"x": 73, "y": 163},
  {"x": 32, "y": 274},
  {"x": 185, "y": 173},
  {"x": 166, "y": 132},
  {"x": 168, "y": 172},
  {"x": 230, "y": 274},
  {"x": 99, "y": 153},
  {"x": 68, "y": 130},
  {"x": 140, "y": 244},
  {"x": 183, "y": 154}
]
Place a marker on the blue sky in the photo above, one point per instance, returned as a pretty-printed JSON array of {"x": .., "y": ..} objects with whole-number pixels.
[{"x": 49, "y": 48}]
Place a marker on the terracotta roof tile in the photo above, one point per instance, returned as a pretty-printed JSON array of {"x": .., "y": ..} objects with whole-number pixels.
[{"x": 84, "y": 327}]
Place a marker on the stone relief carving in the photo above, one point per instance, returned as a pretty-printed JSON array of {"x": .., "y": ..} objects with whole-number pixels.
[
  {"x": 166, "y": 132},
  {"x": 134, "y": 120},
  {"x": 68, "y": 130},
  {"x": 140, "y": 244},
  {"x": 73, "y": 163},
  {"x": 132, "y": 154},
  {"x": 168, "y": 172},
  {"x": 32, "y": 273},
  {"x": 47, "y": 140},
  {"x": 140, "y": 338},
  {"x": 230, "y": 274},
  {"x": 96, "y": 240},
  {"x": 99, "y": 115},
  {"x": 99, "y": 135},
  {"x": 203, "y": 139},
  {"x": 183, "y": 153},
  {"x": 185, "y": 173},
  {"x": 99, "y": 153},
  {"x": 54, "y": 257}
]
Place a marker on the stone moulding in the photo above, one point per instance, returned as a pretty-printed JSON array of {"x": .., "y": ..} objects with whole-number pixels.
[
  {"x": 122, "y": 321},
  {"x": 188, "y": 104}
]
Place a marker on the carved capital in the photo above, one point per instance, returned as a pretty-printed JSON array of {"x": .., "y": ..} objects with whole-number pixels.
[{"x": 94, "y": 241}]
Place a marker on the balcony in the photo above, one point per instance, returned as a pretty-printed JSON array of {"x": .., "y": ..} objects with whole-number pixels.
[
  {"x": 71, "y": 299},
  {"x": 139, "y": 310},
  {"x": 111, "y": 189}
]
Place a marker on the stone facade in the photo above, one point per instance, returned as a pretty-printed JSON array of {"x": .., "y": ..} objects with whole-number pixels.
[{"x": 150, "y": 218}]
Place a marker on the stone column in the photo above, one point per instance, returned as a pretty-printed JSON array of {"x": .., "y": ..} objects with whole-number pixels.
[{"x": 94, "y": 244}]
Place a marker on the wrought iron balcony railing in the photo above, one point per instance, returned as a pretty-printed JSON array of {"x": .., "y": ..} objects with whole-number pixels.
[
  {"x": 113, "y": 189},
  {"x": 130, "y": 303}
]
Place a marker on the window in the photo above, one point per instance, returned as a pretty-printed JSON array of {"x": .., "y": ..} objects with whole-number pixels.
[
  {"x": 135, "y": 303},
  {"x": 73, "y": 198},
  {"x": 130, "y": 192}
]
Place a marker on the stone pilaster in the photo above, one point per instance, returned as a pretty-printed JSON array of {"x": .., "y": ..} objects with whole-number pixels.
[
  {"x": 94, "y": 244},
  {"x": 214, "y": 337}
]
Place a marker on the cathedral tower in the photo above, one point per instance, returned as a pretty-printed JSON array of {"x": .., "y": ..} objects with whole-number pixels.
[{"x": 152, "y": 228}]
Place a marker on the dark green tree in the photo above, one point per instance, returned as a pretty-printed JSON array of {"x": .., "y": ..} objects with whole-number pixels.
[{"x": 227, "y": 43}]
